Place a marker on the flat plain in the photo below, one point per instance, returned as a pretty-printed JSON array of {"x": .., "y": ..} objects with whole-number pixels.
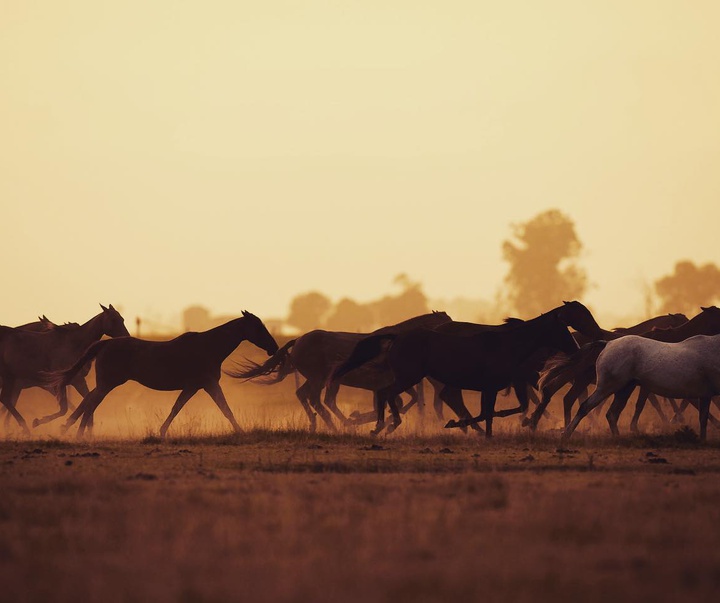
[{"x": 285, "y": 515}]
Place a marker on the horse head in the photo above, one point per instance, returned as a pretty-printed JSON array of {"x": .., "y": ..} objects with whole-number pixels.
[
  {"x": 558, "y": 334},
  {"x": 576, "y": 315},
  {"x": 113, "y": 324},
  {"x": 256, "y": 332}
]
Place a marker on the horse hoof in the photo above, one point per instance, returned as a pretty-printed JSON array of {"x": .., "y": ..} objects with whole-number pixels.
[
  {"x": 35, "y": 423},
  {"x": 451, "y": 423}
]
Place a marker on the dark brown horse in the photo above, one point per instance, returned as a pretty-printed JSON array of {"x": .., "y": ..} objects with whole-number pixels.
[
  {"x": 315, "y": 355},
  {"x": 42, "y": 324},
  {"x": 188, "y": 363},
  {"x": 573, "y": 314},
  {"x": 25, "y": 356},
  {"x": 486, "y": 362}
]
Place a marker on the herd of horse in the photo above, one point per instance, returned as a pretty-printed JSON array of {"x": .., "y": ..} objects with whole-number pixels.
[{"x": 667, "y": 356}]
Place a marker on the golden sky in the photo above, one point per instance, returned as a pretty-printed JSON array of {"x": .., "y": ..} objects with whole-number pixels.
[{"x": 159, "y": 153}]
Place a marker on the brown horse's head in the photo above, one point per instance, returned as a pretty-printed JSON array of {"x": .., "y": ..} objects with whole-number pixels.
[
  {"x": 113, "y": 324},
  {"x": 256, "y": 332}
]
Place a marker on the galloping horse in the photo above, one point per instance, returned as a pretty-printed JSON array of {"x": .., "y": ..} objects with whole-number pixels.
[
  {"x": 316, "y": 353},
  {"x": 581, "y": 374},
  {"x": 487, "y": 362},
  {"x": 42, "y": 324},
  {"x": 688, "y": 369},
  {"x": 189, "y": 363},
  {"x": 25, "y": 355},
  {"x": 573, "y": 314}
]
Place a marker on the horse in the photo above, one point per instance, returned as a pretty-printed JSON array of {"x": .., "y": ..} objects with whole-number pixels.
[
  {"x": 582, "y": 375},
  {"x": 686, "y": 369},
  {"x": 26, "y": 355},
  {"x": 188, "y": 363},
  {"x": 315, "y": 354},
  {"x": 485, "y": 362},
  {"x": 42, "y": 324},
  {"x": 573, "y": 313}
]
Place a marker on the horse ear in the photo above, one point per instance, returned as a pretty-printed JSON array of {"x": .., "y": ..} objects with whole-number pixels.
[
  {"x": 104, "y": 309},
  {"x": 244, "y": 313},
  {"x": 111, "y": 307}
]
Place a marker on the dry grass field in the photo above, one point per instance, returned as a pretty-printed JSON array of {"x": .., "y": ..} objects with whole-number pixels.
[{"x": 279, "y": 514}]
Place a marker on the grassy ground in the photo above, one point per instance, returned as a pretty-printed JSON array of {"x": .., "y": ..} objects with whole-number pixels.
[{"x": 283, "y": 515}]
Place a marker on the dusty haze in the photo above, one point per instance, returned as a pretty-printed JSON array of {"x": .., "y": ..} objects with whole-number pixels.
[{"x": 236, "y": 154}]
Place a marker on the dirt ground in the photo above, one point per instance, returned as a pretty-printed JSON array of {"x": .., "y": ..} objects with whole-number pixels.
[{"x": 283, "y": 515}]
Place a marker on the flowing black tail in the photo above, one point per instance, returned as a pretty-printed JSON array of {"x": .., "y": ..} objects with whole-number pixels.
[
  {"x": 59, "y": 379},
  {"x": 365, "y": 350},
  {"x": 279, "y": 363},
  {"x": 562, "y": 369}
]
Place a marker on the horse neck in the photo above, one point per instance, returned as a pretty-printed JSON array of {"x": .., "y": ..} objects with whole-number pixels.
[
  {"x": 86, "y": 333},
  {"x": 224, "y": 339},
  {"x": 529, "y": 336},
  {"x": 590, "y": 328}
]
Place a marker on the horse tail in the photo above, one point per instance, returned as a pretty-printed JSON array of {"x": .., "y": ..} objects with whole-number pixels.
[
  {"x": 566, "y": 367},
  {"x": 364, "y": 351},
  {"x": 62, "y": 378},
  {"x": 279, "y": 363}
]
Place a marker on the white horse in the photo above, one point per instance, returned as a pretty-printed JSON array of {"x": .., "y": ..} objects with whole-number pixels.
[{"x": 688, "y": 369}]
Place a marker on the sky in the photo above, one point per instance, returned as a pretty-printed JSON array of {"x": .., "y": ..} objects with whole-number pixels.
[{"x": 156, "y": 154}]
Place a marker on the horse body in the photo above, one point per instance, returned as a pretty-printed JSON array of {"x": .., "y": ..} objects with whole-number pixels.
[
  {"x": 26, "y": 355},
  {"x": 686, "y": 369},
  {"x": 188, "y": 363}
]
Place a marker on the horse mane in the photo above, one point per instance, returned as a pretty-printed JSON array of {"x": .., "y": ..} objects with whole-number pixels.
[{"x": 511, "y": 320}]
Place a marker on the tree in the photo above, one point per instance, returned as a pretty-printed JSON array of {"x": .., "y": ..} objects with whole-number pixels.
[
  {"x": 688, "y": 288},
  {"x": 307, "y": 311},
  {"x": 349, "y": 315},
  {"x": 392, "y": 309},
  {"x": 542, "y": 271}
]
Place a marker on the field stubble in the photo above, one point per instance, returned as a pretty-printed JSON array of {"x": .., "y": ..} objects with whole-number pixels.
[
  {"x": 278, "y": 514},
  {"x": 290, "y": 516}
]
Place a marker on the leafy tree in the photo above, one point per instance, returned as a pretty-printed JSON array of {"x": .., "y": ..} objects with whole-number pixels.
[
  {"x": 410, "y": 302},
  {"x": 348, "y": 315},
  {"x": 543, "y": 272},
  {"x": 307, "y": 311},
  {"x": 688, "y": 288}
]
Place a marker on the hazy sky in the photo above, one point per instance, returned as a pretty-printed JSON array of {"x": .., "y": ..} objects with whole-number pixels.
[{"x": 158, "y": 153}]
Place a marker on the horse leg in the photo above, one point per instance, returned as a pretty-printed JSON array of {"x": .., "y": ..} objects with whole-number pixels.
[
  {"x": 330, "y": 401},
  {"x": 546, "y": 393},
  {"x": 182, "y": 399},
  {"x": 658, "y": 408},
  {"x": 395, "y": 412},
  {"x": 419, "y": 396},
  {"x": 303, "y": 395},
  {"x": 643, "y": 395},
  {"x": 380, "y": 399},
  {"x": 488, "y": 409},
  {"x": 86, "y": 410},
  {"x": 572, "y": 395},
  {"x": 437, "y": 400},
  {"x": 452, "y": 396},
  {"x": 62, "y": 410},
  {"x": 216, "y": 393},
  {"x": 414, "y": 399},
  {"x": 314, "y": 398},
  {"x": 618, "y": 405},
  {"x": 595, "y": 399},
  {"x": 8, "y": 397},
  {"x": 704, "y": 411}
]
